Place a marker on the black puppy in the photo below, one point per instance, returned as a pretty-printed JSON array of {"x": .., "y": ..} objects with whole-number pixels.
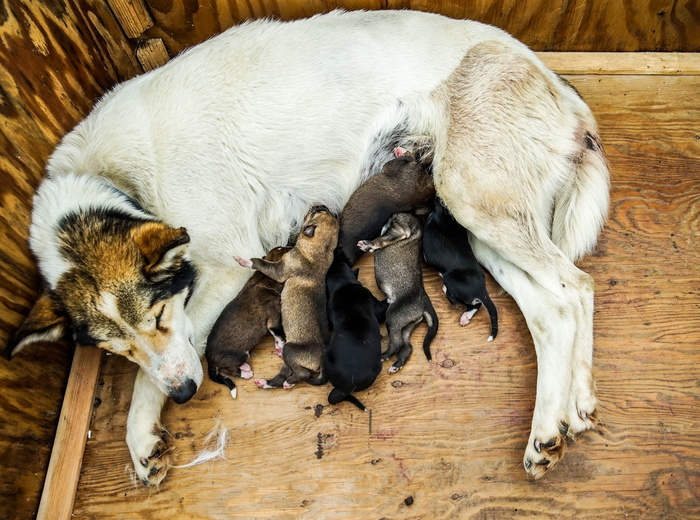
[
  {"x": 446, "y": 248},
  {"x": 353, "y": 358}
]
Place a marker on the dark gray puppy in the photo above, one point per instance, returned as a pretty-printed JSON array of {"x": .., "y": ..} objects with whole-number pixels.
[
  {"x": 403, "y": 184},
  {"x": 399, "y": 273},
  {"x": 242, "y": 324}
]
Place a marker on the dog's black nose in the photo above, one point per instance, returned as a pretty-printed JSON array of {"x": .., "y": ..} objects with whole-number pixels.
[{"x": 184, "y": 392}]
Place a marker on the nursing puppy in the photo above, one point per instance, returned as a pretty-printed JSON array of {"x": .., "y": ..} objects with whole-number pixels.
[
  {"x": 403, "y": 184},
  {"x": 242, "y": 324},
  {"x": 399, "y": 274},
  {"x": 353, "y": 358},
  {"x": 446, "y": 248},
  {"x": 303, "y": 300}
]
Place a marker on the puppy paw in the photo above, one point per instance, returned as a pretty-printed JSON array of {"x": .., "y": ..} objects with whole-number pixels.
[
  {"x": 262, "y": 383},
  {"x": 541, "y": 456},
  {"x": 399, "y": 152},
  {"x": 246, "y": 371},
  {"x": 467, "y": 317},
  {"x": 279, "y": 348},
  {"x": 287, "y": 385},
  {"x": 243, "y": 262},
  {"x": 366, "y": 246},
  {"x": 393, "y": 369},
  {"x": 152, "y": 456}
]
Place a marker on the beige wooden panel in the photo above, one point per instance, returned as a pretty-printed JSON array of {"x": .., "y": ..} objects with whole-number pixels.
[{"x": 450, "y": 434}]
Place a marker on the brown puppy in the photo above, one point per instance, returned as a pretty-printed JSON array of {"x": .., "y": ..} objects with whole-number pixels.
[
  {"x": 242, "y": 324},
  {"x": 403, "y": 184},
  {"x": 399, "y": 273},
  {"x": 303, "y": 300}
]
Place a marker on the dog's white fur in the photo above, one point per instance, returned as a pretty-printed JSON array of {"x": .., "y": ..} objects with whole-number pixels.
[{"x": 239, "y": 136}]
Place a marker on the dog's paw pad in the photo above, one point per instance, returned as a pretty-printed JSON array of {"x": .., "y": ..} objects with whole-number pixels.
[
  {"x": 393, "y": 369},
  {"x": 262, "y": 383},
  {"x": 287, "y": 385},
  {"x": 364, "y": 245},
  {"x": 243, "y": 262}
]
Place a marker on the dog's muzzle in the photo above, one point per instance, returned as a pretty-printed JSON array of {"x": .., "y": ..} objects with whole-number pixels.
[{"x": 183, "y": 392}]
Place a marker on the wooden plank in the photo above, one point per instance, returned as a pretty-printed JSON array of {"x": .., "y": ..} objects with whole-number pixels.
[
  {"x": 620, "y": 63},
  {"x": 450, "y": 434},
  {"x": 69, "y": 444},
  {"x": 133, "y": 16},
  {"x": 544, "y": 25},
  {"x": 152, "y": 54}
]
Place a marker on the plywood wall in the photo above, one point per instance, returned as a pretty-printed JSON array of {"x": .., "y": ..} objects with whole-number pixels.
[
  {"x": 546, "y": 25},
  {"x": 56, "y": 58}
]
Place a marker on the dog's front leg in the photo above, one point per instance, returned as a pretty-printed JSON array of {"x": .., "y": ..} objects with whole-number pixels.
[{"x": 147, "y": 439}]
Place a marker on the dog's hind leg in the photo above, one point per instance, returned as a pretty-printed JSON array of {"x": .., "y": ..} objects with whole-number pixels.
[
  {"x": 510, "y": 153},
  {"x": 145, "y": 436},
  {"x": 276, "y": 381}
]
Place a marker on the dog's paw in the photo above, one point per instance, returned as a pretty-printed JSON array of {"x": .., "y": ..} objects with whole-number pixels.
[
  {"x": 262, "y": 383},
  {"x": 287, "y": 385},
  {"x": 246, "y": 371},
  {"x": 279, "y": 348},
  {"x": 467, "y": 317},
  {"x": 153, "y": 458},
  {"x": 393, "y": 369},
  {"x": 541, "y": 456},
  {"x": 365, "y": 246},
  {"x": 243, "y": 262}
]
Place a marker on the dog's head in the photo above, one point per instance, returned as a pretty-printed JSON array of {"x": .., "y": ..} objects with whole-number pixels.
[
  {"x": 121, "y": 284},
  {"x": 319, "y": 230}
]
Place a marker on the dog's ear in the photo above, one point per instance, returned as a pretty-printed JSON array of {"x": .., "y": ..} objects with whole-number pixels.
[
  {"x": 163, "y": 247},
  {"x": 42, "y": 324},
  {"x": 356, "y": 272}
]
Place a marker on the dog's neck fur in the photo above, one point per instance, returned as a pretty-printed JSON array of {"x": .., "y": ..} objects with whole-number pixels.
[{"x": 59, "y": 197}]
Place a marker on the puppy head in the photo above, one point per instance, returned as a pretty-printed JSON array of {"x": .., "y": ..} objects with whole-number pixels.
[
  {"x": 319, "y": 230},
  {"x": 124, "y": 289}
]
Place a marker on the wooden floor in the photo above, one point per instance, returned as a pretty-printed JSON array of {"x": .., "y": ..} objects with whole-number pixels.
[{"x": 450, "y": 434}]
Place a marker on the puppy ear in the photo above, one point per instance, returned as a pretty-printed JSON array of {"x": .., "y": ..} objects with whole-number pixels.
[
  {"x": 163, "y": 247},
  {"x": 42, "y": 324},
  {"x": 309, "y": 231}
]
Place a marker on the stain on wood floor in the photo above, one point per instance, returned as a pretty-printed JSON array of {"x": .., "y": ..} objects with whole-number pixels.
[{"x": 449, "y": 435}]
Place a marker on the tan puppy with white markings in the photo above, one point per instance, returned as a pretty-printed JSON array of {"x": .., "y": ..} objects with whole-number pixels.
[{"x": 303, "y": 301}]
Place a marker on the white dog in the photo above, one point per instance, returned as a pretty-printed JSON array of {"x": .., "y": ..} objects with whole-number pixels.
[{"x": 223, "y": 150}]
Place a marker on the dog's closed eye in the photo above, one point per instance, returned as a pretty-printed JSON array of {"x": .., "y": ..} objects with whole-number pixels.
[{"x": 309, "y": 231}]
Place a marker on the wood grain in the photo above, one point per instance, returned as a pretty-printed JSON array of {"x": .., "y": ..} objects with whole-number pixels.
[
  {"x": 152, "y": 54},
  {"x": 56, "y": 59},
  {"x": 61, "y": 482},
  {"x": 450, "y": 434},
  {"x": 544, "y": 25},
  {"x": 132, "y": 15}
]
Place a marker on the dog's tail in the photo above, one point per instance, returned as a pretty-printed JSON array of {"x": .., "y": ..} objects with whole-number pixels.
[
  {"x": 337, "y": 395},
  {"x": 493, "y": 314},
  {"x": 431, "y": 319},
  {"x": 222, "y": 380},
  {"x": 581, "y": 209}
]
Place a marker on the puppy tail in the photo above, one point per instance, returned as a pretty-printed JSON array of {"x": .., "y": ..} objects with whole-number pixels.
[
  {"x": 581, "y": 208},
  {"x": 337, "y": 395},
  {"x": 222, "y": 380},
  {"x": 493, "y": 314},
  {"x": 431, "y": 319}
]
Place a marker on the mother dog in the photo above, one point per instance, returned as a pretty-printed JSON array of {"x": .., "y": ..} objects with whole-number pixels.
[{"x": 222, "y": 151}]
